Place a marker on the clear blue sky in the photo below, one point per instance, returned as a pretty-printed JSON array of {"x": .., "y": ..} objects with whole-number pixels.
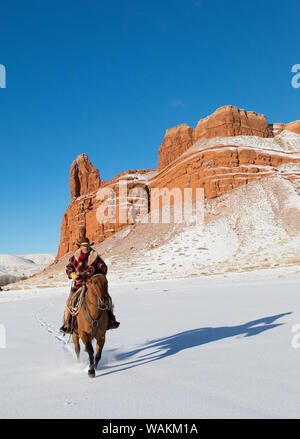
[{"x": 107, "y": 78}]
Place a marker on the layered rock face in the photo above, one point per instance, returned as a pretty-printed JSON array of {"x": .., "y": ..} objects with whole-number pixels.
[
  {"x": 232, "y": 121},
  {"x": 225, "y": 163},
  {"x": 225, "y": 121},
  {"x": 277, "y": 128},
  {"x": 90, "y": 213},
  {"x": 176, "y": 141},
  {"x": 226, "y": 150}
]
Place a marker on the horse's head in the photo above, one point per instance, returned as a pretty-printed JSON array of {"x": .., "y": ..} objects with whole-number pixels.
[{"x": 97, "y": 285}]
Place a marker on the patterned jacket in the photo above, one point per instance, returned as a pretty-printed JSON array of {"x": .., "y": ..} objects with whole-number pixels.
[{"x": 91, "y": 264}]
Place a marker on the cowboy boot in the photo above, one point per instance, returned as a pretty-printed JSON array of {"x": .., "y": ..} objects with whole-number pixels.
[
  {"x": 65, "y": 330},
  {"x": 66, "y": 327},
  {"x": 112, "y": 324}
]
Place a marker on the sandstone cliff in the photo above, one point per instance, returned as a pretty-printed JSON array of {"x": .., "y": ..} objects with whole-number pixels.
[
  {"x": 225, "y": 121},
  {"x": 84, "y": 177},
  {"x": 225, "y": 150},
  {"x": 88, "y": 194}
]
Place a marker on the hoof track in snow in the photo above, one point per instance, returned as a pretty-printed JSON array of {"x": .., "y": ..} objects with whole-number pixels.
[{"x": 54, "y": 332}]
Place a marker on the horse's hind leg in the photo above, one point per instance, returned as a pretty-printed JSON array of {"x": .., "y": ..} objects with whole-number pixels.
[
  {"x": 89, "y": 349},
  {"x": 75, "y": 339},
  {"x": 99, "y": 347}
]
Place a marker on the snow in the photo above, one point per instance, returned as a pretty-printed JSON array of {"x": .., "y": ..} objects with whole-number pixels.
[
  {"x": 285, "y": 142},
  {"x": 188, "y": 348},
  {"x": 21, "y": 264},
  {"x": 14, "y": 262},
  {"x": 254, "y": 226},
  {"x": 143, "y": 178},
  {"x": 40, "y": 258},
  {"x": 210, "y": 317}
]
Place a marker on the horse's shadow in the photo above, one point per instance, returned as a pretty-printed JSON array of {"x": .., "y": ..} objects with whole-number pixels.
[{"x": 167, "y": 346}]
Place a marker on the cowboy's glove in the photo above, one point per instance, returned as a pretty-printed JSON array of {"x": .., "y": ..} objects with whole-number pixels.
[
  {"x": 74, "y": 276},
  {"x": 90, "y": 271}
]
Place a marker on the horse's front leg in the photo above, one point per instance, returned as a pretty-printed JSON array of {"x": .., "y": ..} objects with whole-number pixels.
[
  {"x": 99, "y": 348},
  {"x": 87, "y": 340}
]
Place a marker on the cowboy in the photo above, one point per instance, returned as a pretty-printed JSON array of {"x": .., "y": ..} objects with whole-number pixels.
[{"x": 82, "y": 265}]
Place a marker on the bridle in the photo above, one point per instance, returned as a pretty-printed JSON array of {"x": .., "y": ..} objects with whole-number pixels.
[{"x": 102, "y": 303}]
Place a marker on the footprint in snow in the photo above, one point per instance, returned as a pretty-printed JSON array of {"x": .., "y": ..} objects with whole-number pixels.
[{"x": 69, "y": 402}]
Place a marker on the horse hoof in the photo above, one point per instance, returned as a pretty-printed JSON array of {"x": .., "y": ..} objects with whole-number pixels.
[{"x": 91, "y": 373}]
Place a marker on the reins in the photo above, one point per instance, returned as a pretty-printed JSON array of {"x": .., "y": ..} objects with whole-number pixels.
[
  {"x": 94, "y": 322},
  {"x": 98, "y": 305},
  {"x": 78, "y": 300}
]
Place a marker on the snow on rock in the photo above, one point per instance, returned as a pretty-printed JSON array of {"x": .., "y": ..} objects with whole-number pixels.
[
  {"x": 286, "y": 141},
  {"x": 254, "y": 226}
]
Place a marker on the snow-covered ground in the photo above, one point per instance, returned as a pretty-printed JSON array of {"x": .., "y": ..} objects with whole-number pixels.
[{"x": 185, "y": 349}]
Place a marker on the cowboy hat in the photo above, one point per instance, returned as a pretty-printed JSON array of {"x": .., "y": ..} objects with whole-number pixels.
[{"x": 85, "y": 242}]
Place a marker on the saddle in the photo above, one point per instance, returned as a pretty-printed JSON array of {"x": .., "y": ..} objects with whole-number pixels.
[{"x": 74, "y": 306}]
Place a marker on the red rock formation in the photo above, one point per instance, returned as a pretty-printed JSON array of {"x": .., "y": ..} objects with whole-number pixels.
[
  {"x": 84, "y": 177},
  {"x": 82, "y": 215},
  {"x": 220, "y": 168},
  {"x": 293, "y": 126},
  {"x": 277, "y": 128},
  {"x": 225, "y": 121},
  {"x": 176, "y": 141},
  {"x": 215, "y": 165},
  {"x": 232, "y": 121}
]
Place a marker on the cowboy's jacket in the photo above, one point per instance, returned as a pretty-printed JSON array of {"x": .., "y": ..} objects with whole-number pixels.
[{"x": 91, "y": 264}]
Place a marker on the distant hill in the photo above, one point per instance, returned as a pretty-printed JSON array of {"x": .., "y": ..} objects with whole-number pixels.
[{"x": 15, "y": 267}]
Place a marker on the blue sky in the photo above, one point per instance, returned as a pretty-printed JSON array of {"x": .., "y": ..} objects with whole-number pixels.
[{"x": 107, "y": 78}]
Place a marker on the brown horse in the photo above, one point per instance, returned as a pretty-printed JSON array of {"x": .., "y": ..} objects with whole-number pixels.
[{"x": 92, "y": 320}]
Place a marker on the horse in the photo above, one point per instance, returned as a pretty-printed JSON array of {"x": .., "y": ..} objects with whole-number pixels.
[{"x": 92, "y": 320}]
